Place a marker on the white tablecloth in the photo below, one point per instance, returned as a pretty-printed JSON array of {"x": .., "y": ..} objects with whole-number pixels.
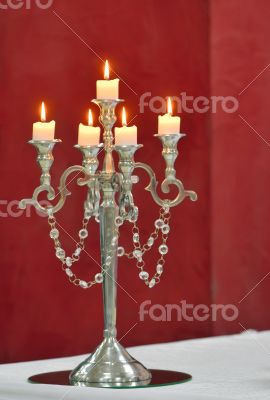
[{"x": 227, "y": 367}]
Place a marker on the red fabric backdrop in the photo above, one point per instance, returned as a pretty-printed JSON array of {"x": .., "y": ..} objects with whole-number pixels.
[
  {"x": 240, "y": 155},
  {"x": 164, "y": 49}
]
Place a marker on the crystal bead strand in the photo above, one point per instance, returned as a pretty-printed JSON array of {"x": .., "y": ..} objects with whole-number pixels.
[
  {"x": 67, "y": 261},
  {"x": 83, "y": 234},
  {"x": 161, "y": 226}
]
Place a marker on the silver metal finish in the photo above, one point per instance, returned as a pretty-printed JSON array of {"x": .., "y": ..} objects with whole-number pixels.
[
  {"x": 45, "y": 160},
  {"x": 90, "y": 163},
  {"x": 90, "y": 159},
  {"x": 110, "y": 364},
  {"x": 45, "y": 157},
  {"x": 128, "y": 210},
  {"x": 170, "y": 154}
]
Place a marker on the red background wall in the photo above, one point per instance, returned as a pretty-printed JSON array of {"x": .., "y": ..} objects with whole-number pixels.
[
  {"x": 240, "y": 155},
  {"x": 157, "y": 47}
]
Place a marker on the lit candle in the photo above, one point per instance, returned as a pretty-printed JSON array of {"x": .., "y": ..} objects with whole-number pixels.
[
  {"x": 168, "y": 123},
  {"x": 126, "y": 135},
  {"x": 89, "y": 134},
  {"x": 107, "y": 89},
  {"x": 43, "y": 130}
]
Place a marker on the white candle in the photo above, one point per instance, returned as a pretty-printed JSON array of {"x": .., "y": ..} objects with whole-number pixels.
[
  {"x": 126, "y": 135},
  {"x": 107, "y": 89},
  {"x": 89, "y": 134},
  {"x": 168, "y": 123},
  {"x": 43, "y": 130}
]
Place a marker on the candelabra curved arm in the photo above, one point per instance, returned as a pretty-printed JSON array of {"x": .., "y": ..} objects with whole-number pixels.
[
  {"x": 165, "y": 187},
  {"x": 63, "y": 192}
]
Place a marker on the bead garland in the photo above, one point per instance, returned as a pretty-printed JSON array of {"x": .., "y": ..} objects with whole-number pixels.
[
  {"x": 68, "y": 261},
  {"x": 161, "y": 226}
]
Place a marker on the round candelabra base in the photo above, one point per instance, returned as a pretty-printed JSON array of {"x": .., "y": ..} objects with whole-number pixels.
[
  {"x": 110, "y": 365},
  {"x": 159, "y": 378}
]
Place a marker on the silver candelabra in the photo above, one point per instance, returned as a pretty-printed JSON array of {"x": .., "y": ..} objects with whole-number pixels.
[{"x": 110, "y": 364}]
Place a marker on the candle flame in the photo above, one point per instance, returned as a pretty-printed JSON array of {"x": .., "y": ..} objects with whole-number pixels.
[
  {"x": 43, "y": 112},
  {"x": 90, "y": 118},
  {"x": 107, "y": 70},
  {"x": 124, "y": 117},
  {"x": 169, "y": 106}
]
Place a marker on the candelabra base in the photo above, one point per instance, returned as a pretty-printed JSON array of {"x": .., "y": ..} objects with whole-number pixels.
[
  {"x": 159, "y": 378},
  {"x": 110, "y": 365}
]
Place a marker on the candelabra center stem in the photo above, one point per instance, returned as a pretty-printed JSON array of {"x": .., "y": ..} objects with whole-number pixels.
[{"x": 107, "y": 119}]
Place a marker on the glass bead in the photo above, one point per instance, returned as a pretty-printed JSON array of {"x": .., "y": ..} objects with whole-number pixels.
[
  {"x": 54, "y": 233},
  {"x": 144, "y": 275},
  {"x": 159, "y": 269},
  {"x": 159, "y": 223},
  {"x": 69, "y": 272},
  {"x": 134, "y": 179},
  {"x": 99, "y": 278},
  {"x": 114, "y": 241},
  {"x": 150, "y": 241},
  {"x": 137, "y": 254},
  {"x": 120, "y": 251},
  {"x": 87, "y": 214},
  {"x": 108, "y": 261},
  {"x": 83, "y": 233},
  {"x": 166, "y": 209},
  {"x": 163, "y": 249},
  {"x": 83, "y": 284},
  {"x": 69, "y": 261},
  {"x": 136, "y": 238},
  {"x": 133, "y": 218},
  {"x": 119, "y": 221},
  {"x": 152, "y": 283},
  {"x": 165, "y": 229},
  {"x": 60, "y": 253},
  {"x": 77, "y": 252}
]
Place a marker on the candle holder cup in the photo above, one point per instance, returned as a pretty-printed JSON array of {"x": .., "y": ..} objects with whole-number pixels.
[{"x": 45, "y": 157}]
